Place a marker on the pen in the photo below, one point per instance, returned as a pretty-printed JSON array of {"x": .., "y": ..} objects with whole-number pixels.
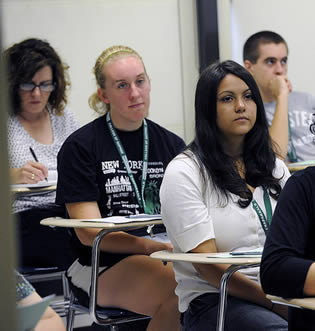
[
  {"x": 246, "y": 253},
  {"x": 33, "y": 154},
  {"x": 35, "y": 158},
  {"x": 149, "y": 216}
]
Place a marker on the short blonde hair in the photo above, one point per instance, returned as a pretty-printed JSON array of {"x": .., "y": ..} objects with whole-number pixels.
[{"x": 109, "y": 54}]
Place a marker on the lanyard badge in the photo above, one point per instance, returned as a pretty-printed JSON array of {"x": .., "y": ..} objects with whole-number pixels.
[
  {"x": 291, "y": 148},
  {"x": 123, "y": 155},
  {"x": 265, "y": 221}
]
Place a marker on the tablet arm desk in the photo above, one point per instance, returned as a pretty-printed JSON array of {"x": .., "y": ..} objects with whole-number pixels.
[
  {"x": 236, "y": 263},
  {"x": 106, "y": 228},
  {"x": 302, "y": 303},
  {"x": 18, "y": 190}
]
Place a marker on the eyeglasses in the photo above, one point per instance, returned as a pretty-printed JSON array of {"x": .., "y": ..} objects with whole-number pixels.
[{"x": 44, "y": 87}]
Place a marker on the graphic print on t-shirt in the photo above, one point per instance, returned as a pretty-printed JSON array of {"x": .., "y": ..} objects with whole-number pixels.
[
  {"x": 301, "y": 106},
  {"x": 120, "y": 192},
  {"x": 118, "y": 184},
  {"x": 152, "y": 199},
  {"x": 300, "y": 121}
]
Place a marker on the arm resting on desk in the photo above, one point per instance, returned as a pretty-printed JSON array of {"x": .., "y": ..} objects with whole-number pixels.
[
  {"x": 116, "y": 242},
  {"x": 239, "y": 285},
  {"x": 309, "y": 285}
]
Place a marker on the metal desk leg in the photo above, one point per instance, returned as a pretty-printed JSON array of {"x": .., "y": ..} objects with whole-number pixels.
[
  {"x": 94, "y": 275},
  {"x": 223, "y": 291}
]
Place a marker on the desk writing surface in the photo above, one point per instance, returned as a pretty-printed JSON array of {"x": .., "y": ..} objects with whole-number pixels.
[
  {"x": 296, "y": 166},
  {"x": 97, "y": 223},
  {"x": 205, "y": 258},
  {"x": 308, "y": 303},
  {"x": 41, "y": 186},
  {"x": 19, "y": 189}
]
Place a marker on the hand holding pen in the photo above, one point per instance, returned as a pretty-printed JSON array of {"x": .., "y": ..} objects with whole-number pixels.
[
  {"x": 44, "y": 170},
  {"x": 30, "y": 173}
]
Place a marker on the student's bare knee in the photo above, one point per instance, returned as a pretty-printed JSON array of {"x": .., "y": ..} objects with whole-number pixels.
[{"x": 137, "y": 277}]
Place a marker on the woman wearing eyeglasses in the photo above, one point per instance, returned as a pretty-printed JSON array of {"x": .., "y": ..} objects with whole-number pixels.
[{"x": 39, "y": 122}]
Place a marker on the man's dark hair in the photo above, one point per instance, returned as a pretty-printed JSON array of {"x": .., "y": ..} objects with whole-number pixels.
[{"x": 251, "y": 46}]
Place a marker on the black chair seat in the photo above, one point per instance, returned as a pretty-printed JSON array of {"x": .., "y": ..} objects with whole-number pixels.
[
  {"x": 49, "y": 280},
  {"x": 106, "y": 316}
]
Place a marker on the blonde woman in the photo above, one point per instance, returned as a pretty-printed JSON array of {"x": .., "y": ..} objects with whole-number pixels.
[{"x": 94, "y": 182}]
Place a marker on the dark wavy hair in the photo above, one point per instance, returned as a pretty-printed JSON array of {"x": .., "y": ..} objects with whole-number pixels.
[
  {"x": 24, "y": 59},
  {"x": 258, "y": 155}
]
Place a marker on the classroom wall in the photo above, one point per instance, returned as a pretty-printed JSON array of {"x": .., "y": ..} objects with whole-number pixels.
[
  {"x": 162, "y": 31},
  {"x": 294, "y": 20}
]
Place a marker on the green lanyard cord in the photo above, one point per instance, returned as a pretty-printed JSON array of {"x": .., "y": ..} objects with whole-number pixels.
[
  {"x": 265, "y": 222},
  {"x": 123, "y": 155},
  {"x": 291, "y": 148}
]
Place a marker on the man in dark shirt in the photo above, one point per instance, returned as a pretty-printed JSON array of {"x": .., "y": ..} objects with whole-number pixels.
[{"x": 288, "y": 263}]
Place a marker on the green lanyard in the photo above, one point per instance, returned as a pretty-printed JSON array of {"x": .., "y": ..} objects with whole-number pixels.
[
  {"x": 265, "y": 223},
  {"x": 291, "y": 149},
  {"x": 123, "y": 155}
]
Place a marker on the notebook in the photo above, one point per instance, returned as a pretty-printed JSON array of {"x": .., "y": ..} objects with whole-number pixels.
[
  {"x": 29, "y": 315},
  {"x": 51, "y": 180},
  {"x": 127, "y": 219}
]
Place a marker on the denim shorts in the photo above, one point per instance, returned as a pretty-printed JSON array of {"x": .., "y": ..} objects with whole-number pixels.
[{"x": 240, "y": 315}]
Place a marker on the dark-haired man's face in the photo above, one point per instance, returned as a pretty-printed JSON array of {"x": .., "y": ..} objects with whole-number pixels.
[{"x": 271, "y": 62}]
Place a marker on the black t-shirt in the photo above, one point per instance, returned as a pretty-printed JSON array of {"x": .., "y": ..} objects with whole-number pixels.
[
  {"x": 290, "y": 245},
  {"x": 91, "y": 169}
]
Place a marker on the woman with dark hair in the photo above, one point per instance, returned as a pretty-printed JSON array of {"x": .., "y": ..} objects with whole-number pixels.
[
  {"x": 25, "y": 59},
  {"x": 218, "y": 196},
  {"x": 38, "y": 82}
]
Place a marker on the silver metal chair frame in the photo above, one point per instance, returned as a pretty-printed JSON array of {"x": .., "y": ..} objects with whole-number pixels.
[
  {"x": 96, "y": 314},
  {"x": 60, "y": 306},
  {"x": 224, "y": 290}
]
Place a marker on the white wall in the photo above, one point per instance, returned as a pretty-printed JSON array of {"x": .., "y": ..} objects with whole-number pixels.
[
  {"x": 294, "y": 20},
  {"x": 81, "y": 29}
]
